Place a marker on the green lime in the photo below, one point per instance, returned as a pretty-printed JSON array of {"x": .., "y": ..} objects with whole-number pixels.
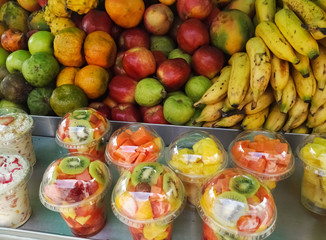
[{"x": 196, "y": 87}]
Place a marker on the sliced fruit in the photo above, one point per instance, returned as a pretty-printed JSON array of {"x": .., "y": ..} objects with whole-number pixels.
[
  {"x": 144, "y": 211},
  {"x": 6, "y": 120},
  {"x": 146, "y": 172},
  {"x": 79, "y": 131},
  {"x": 141, "y": 136},
  {"x": 160, "y": 208},
  {"x": 85, "y": 176},
  {"x": 152, "y": 230},
  {"x": 169, "y": 185},
  {"x": 209, "y": 151},
  {"x": 127, "y": 204},
  {"x": 74, "y": 164},
  {"x": 97, "y": 170},
  {"x": 245, "y": 185},
  {"x": 248, "y": 224},
  {"x": 81, "y": 114}
]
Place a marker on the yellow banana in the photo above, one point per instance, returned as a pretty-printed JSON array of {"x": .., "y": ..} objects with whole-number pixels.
[
  {"x": 322, "y": 42},
  {"x": 239, "y": 78},
  {"x": 263, "y": 102},
  {"x": 318, "y": 117},
  {"x": 218, "y": 90},
  {"x": 317, "y": 100},
  {"x": 318, "y": 66},
  {"x": 265, "y": 10},
  {"x": 303, "y": 66},
  {"x": 209, "y": 124},
  {"x": 275, "y": 119},
  {"x": 260, "y": 66},
  {"x": 247, "y": 99},
  {"x": 256, "y": 120},
  {"x": 302, "y": 129},
  {"x": 300, "y": 39},
  {"x": 246, "y": 6},
  {"x": 210, "y": 112},
  {"x": 321, "y": 4},
  {"x": 280, "y": 76},
  {"x": 276, "y": 42},
  {"x": 229, "y": 121},
  {"x": 297, "y": 115},
  {"x": 227, "y": 106},
  {"x": 320, "y": 128},
  {"x": 306, "y": 87},
  {"x": 289, "y": 95},
  {"x": 312, "y": 15}
]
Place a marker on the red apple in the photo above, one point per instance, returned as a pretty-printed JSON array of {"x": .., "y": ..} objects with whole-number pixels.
[
  {"x": 142, "y": 110},
  {"x": 77, "y": 19},
  {"x": 175, "y": 27},
  {"x": 191, "y": 35},
  {"x": 96, "y": 20},
  {"x": 154, "y": 115},
  {"x": 207, "y": 61},
  {"x": 159, "y": 57},
  {"x": 173, "y": 73},
  {"x": 199, "y": 9},
  {"x": 122, "y": 89},
  {"x": 139, "y": 62},
  {"x": 158, "y": 19},
  {"x": 42, "y": 3},
  {"x": 133, "y": 37},
  {"x": 102, "y": 108},
  {"x": 30, "y": 33},
  {"x": 116, "y": 31},
  {"x": 208, "y": 21},
  {"x": 125, "y": 112},
  {"x": 117, "y": 68}
]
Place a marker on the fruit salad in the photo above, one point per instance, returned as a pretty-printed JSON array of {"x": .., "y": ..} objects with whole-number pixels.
[
  {"x": 76, "y": 185},
  {"x": 148, "y": 198},
  {"x": 265, "y": 154},
  {"x": 15, "y": 209},
  {"x": 195, "y": 156},
  {"x": 313, "y": 189},
  {"x": 84, "y": 130},
  {"x": 236, "y": 205},
  {"x": 133, "y": 144}
]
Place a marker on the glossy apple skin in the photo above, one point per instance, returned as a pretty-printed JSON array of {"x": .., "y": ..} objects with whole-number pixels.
[
  {"x": 173, "y": 73},
  {"x": 207, "y": 61},
  {"x": 154, "y": 115},
  {"x": 159, "y": 57},
  {"x": 198, "y": 9},
  {"x": 125, "y": 112},
  {"x": 139, "y": 63},
  {"x": 122, "y": 89},
  {"x": 102, "y": 108},
  {"x": 42, "y": 3},
  {"x": 117, "y": 68},
  {"x": 158, "y": 19},
  {"x": 191, "y": 35},
  {"x": 133, "y": 37},
  {"x": 96, "y": 20}
]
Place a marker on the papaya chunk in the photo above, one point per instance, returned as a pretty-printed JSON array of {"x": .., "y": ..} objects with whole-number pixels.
[{"x": 141, "y": 136}]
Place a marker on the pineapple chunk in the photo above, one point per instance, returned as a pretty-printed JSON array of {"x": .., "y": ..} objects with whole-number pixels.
[{"x": 153, "y": 230}]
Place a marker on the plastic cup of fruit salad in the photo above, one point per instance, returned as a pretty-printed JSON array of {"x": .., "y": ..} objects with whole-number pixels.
[
  {"x": 15, "y": 208},
  {"x": 312, "y": 153},
  {"x": 263, "y": 153},
  {"x": 133, "y": 144},
  {"x": 195, "y": 156},
  {"x": 148, "y": 198},
  {"x": 84, "y": 130},
  {"x": 16, "y": 133},
  {"x": 236, "y": 205},
  {"x": 76, "y": 185}
]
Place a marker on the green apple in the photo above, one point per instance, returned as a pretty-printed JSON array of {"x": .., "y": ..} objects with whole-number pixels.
[
  {"x": 3, "y": 56},
  {"x": 178, "y": 53},
  {"x": 16, "y": 59},
  {"x": 164, "y": 44},
  {"x": 178, "y": 109},
  {"x": 196, "y": 87},
  {"x": 41, "y": 41}
]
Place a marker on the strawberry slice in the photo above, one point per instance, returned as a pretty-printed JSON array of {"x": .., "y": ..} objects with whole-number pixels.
[{"x": 6, "y": 120}]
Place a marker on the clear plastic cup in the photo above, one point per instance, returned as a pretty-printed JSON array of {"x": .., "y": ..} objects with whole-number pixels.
[
  {"x": 77, "y": 185},
  {"x": 84, "y": 130},
  {"x": 148, "y": 198},
  {"x": 15, "y": 208},
  {"x": 133, "y": 144},
  {"x": 236, "y": 205},
  {"x": 265, "y": 154},
  {"x": 16, "y": 133},
  {"x": 195, "y": 156},
  {"x": 312, "y": 153}
]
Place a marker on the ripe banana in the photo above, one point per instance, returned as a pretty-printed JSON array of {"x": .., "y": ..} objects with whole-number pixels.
[
  {"x": 210, "y": 112},
  {"x": 247, "y": 99},
  {"x": 280, "y": 76},
  {"x": 311, "y": 14},
  {"x": 265, "y": 10},
  {"x": 300, "y": 39},
  {"x": 303, "y": 66},
  {"x": 318, "y": 117},
  {"x": 256, "y": 120},
  {"x": 297, "y": 115},
  {"x": 275, "y": 119},
  {"x": 239, "y": 78},
  {"x": 320, "y": 128},
  {"x": 209, "y": 124},
  {"x": 246, "y": 6},
  {"x": 322, "y": 42},
  {"x": 260, "y": 66},
  {"x": 229, "y": 121},
  {"x": 276, "y": 42},
  {"x": 289, "y": 95},
  {"x": 306, "y": 87},
  {"x": 302, "y": 129},
  {"x": 227, "y": 106},
  {"x": 317, "y": 100},
  {"x": 263, "y": 102},
  {"x": 321, "y": 4},
  {"x": 318, "y": 66},
  {"x": 218, "y": 90}
]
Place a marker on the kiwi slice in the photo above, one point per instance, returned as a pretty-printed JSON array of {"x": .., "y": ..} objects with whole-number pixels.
[
  {"x": 81, "y": 114},
  {"x": 97, "y": 171},
  {"x": 228, "y": 207},
  {"x": 146, "y": 172},
  {"x": 79, "y": 131},
  {"x": 74, "y": 164},
  {"x": 245, "y": 185},
  {"x": 169, "y": 185}
]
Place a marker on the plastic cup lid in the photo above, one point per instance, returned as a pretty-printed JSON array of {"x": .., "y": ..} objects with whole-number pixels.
[
  {"x": 133, "y": 144},
  {"x": 150, "y": 192},
  {"x": 83, "y": 126},
  {"x": 196, "y": 155},
  {"x": 263, "y": 153},
  {"x": 72, "y": 180},
  {"x": 236, "y": 204}
]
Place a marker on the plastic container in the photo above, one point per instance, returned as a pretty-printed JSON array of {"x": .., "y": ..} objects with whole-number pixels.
[
  {"x": 148, "y": 198},
  {"x": 263, "y": 153},
  {"x": 236, "y": 205},
  {"x": 196, "y": 156},
  {"x": 312, "y": 153},
  {"x": 76, "y": 185},
  {"x": 15, "y": 208},
  {"x": 16, "y": 133},
  {"x": 84, "y": 130},
  {"x": 133, "y": 144}
]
